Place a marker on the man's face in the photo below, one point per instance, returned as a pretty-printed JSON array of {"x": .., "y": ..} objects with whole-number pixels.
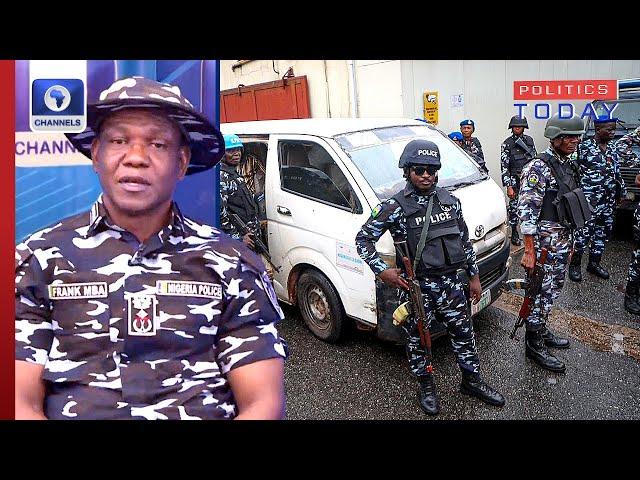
[
  {"x": 139, "y": 157},
  {"x": 233, "y": 156},
  {"x": 517, "y": 131},
  {"x": 606, "y": 131},
  {"x": 466, "y": 130},
  {"x": 422, "y": 176},
  {"x": 566, "y": 144}
]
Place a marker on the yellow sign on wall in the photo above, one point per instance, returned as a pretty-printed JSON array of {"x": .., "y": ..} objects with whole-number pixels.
[{"x": 430, "y": 102}]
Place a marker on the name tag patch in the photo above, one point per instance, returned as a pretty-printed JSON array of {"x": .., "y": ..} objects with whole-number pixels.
[
  {"x": 189, "y": 289},
  {"x": 71, "y": 291}
]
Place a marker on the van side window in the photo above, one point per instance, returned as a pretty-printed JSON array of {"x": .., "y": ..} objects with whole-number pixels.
[{"x": 306, "y": 168}]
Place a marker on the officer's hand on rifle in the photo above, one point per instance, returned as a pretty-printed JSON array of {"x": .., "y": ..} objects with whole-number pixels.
[
  {"x": 511, "y": 193},
  {"x": 391, "y": 276},
  {"x": 529, "y": 257},
  {"x": 247, "y": 240},
  {"x": 475, "y": 289}
]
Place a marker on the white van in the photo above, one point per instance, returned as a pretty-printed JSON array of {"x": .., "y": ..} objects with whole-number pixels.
[{"x": 321, "y": 178}]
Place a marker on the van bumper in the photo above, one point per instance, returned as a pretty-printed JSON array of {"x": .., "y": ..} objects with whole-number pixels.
[{"x": 493, "y": 272}]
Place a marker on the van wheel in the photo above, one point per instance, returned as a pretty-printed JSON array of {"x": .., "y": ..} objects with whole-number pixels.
[{"x": 320, "y": 306}]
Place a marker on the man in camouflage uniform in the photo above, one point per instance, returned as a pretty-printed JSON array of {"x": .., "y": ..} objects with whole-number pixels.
[
  {"x": 629, "y": 159},
  {"x": 542, "y": 229},
  {"x": 603, "y": 185},
  {"x": 456, "y": 137},
  {"x": 513, "y": 158},
  {"x": 472, "y": 145},
  {"x": 131, "y": 310},
  {"x": 235, "y": 195},
  {"x": 446, "y": 250}
]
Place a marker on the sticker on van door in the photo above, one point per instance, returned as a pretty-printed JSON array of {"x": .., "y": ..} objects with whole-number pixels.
[{"x": 347, "y": 257}]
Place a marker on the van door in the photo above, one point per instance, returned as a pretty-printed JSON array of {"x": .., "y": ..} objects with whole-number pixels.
[{"x": 314, "y": 209}]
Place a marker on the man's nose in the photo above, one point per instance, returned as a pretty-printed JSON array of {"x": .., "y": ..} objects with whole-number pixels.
[{"x": 137, "y": 155}]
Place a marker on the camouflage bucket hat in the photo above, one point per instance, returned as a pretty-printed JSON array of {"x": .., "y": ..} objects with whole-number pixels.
[{"x": 205, "y": 140}]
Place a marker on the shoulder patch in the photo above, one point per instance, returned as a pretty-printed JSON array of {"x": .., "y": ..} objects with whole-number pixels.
[
  {"x": 376, "y": 210},
  {"x": 533, "y": 179}
]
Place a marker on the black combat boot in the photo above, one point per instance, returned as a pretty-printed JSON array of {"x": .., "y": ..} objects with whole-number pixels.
[
  {"x": 552, "y": 340},
  {"x": 537, "y": 351},
  {"x": 427, "y": 395},
  {"x": 597, "y": 269},
  {"x": 515, "y": 238},
  {"x": 631, "y": 294},
  {"x": 472, "y": 384},
  {"x": 575, "y": 268}
]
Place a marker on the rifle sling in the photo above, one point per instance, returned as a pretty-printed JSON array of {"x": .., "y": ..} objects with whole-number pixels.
[{"x": 423, "y": 235}]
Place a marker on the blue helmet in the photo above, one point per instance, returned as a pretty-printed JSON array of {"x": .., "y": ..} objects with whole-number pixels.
[
  {"x": 468, "y": 122},
  {"x": 232, "y": 141},
  {"x": 455, "y": 136}
]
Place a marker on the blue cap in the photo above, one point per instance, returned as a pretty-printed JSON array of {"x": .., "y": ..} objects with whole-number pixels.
[
  {"x": 232, "y": 141},
  {"x": 604, "y": 119},
  {"x": 455, "y": 136},
  {"x": 467, "y": 122}
]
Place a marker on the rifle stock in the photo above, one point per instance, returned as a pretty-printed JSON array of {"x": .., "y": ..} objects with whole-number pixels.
[
  {"x": 262, "y": 248},
  {"x": 520, "y": 143},
  {"x": 417, "y": 304},
  {"x": 534, "y": 287}
]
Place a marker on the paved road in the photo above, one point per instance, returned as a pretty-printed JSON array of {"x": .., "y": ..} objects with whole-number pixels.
[{"x": 364, "y": 378}]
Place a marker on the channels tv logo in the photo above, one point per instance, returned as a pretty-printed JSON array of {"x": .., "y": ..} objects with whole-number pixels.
[{"x": 58, "y": 105}]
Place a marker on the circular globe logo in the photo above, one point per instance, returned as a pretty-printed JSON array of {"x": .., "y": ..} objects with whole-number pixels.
[{"x": 57, "y": 98}]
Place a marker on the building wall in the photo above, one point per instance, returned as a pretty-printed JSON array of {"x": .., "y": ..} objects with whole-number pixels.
[
  {"x": 487, "y": 86},
  {"x": 328, "y": 81}
]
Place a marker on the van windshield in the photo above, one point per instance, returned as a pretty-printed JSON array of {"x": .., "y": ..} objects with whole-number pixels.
[
  {"x": 376, "y": 153},
  {"x": 628, "y": 111}
]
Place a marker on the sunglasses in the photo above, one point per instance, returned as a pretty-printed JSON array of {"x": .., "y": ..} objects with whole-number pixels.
[{"x": 430, "y": 169}]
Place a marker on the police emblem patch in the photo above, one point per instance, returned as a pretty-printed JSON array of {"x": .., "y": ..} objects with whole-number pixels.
[
  {"x": 142, "y": 315},
  {"x": 533, "y": 179},
  {"x": 376, "y": 211}
]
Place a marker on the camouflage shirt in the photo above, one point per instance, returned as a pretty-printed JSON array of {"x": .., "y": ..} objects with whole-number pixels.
[
  {"x": 232, "y": 184},
  {"x": 599, "y": 171},
  {"x": 623, "y": 146},
  {"x": 473, "y": 147},
  {"x": 141, "y": 331},
  {"x": 536, "y": 178},
  {"x": 390, "y": 216}
]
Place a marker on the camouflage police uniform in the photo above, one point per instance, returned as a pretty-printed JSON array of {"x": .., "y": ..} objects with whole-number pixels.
[
  {"x": 146, "y": 331},
  {"x": 442, "y": 293},
  {"x": 600, "y": 178},
  {"x": 628, "y": 158},
  {"x": 237, "y": 198},
  {"x": 511, "y": 173},
  {"x": 474, "y": 148},
  {"x": 536, "y": 179}
]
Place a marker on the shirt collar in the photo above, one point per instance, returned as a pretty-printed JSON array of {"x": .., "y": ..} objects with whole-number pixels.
[{"x": 99, "y": 219}]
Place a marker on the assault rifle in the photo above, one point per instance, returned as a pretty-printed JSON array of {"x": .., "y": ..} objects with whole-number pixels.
[
  {"x": 520, "y": 143},
  {"x": 531, "y": 287},
  {"x": 260, "y": 246},
  {"x": 417, "y": 303}
]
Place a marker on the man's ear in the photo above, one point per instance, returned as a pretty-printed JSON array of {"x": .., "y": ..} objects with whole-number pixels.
[
  {"x": 183, "y": 159},
  {"x": 94, "y": 153}
]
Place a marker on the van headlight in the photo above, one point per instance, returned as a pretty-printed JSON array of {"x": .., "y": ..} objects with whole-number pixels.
[{"x": 389, "y": 259}]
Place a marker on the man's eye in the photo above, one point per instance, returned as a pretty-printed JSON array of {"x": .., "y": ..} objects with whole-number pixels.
[
  {"x": 118, "y": 141},
  {"x": 159, "y": 145}
]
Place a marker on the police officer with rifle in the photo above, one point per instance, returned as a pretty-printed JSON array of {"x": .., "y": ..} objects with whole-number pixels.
[
  {"x": 551, "y": 207},
  {"x": 515, "y": 152},
  {"x": 429, "y": 219}
]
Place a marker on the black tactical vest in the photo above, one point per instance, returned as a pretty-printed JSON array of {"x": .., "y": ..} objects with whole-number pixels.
[
  {"x": 443, "y": 251},
  {"x": 517, "y": 156},
  {"x": 566, "y": 204},
  {"x": 241, "y": 202}
]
